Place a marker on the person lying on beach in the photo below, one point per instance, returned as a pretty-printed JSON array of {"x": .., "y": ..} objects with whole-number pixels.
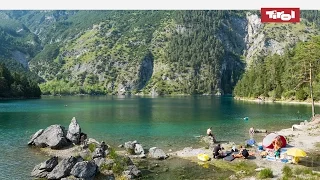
[
  {"x": 243, "y": 153},
  {"x": 217, "y": 152}
]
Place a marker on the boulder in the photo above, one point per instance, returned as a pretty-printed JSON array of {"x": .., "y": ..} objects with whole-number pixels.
[
  {"x": 37, "y": 134},
  {"x": 132, "y": 172},
  {"x": 53, "y": 137},
  {"x": 42, "y": 170},
  {"x": 130, "y": 145},
  {"x": 84, "y": 169},
  {"x": 138, "y": 149},
  {"x": 74, "y": 131},
  {"x": 63, "y": 169},
  {"x": 157, "y": 153}
]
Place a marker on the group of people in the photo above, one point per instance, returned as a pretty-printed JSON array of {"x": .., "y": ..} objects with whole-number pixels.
[
  {"x": 218, "y": 150},
  {"x": 242, "y": 152}
]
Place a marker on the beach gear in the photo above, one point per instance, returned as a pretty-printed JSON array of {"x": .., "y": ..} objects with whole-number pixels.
[
  {"x": 268, "y": 140},
  {"x": 250, "y": 142},
  {"x": 295, "y": 152},
  {"x": 203, "y": 157},
  {"x": 229, "y": 158}
]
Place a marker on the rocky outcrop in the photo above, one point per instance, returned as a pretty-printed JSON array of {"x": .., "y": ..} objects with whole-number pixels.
[
  {"x": 84, "y": 169},
  {"x": 157, "y": 153},
  {"x": 74, "y": 131},
  {"x": 63, "y": 169},
  {"x": 43, "y": 169},
  {"x": 53, "y": 137}
]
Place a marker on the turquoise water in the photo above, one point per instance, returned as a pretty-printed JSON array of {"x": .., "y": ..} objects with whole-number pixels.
[{"x": 165, "y": 122}]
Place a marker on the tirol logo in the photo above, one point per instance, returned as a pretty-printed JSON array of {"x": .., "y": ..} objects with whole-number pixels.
[{"x": 281, "y": 15}]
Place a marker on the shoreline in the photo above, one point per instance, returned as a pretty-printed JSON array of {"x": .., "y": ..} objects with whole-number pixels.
[
  {"x": 276, "y": 101},
  {"x": 306, "y": 137}
]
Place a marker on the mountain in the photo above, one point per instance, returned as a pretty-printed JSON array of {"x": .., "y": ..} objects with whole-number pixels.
[{"x": 146, "y": 52}]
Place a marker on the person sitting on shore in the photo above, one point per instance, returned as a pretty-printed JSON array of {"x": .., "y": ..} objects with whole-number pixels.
[
  {"x": 243, "y": 153},
  {"x": 217, "y": 152}
]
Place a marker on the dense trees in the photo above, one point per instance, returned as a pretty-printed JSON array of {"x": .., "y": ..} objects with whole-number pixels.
[
  {"x": 16, "y": 85},
  {"x": 295, "y": 75}
]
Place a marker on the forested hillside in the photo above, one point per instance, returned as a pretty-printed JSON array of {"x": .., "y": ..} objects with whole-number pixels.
[
  {"x": 16, "y": 85},
  {"x": 285, "y": 77},
  {"x": 156, "y": 52}
]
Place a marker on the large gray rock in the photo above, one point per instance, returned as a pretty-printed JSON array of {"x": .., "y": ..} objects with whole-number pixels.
[
  {"x": 84, "y": 169},
  {"x": 157, "y": 153},
  {"x": 63, "y": 169},
  {"x": 74, "y": 131},
  {"x": 132, "y": 172},
  {"x": 138, "y": 149},
  {"x": 53, "y": 137},
  {"x": 37, "y": 134},
  {"x": 42, "y": 170}
]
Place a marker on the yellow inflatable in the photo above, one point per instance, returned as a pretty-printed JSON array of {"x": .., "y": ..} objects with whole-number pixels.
[{"x": 203, "y": 157}]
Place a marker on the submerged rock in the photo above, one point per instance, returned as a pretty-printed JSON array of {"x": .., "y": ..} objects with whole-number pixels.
[
  {"x": 74, "y": 131},
  {"x": 42, "y": 170},
  {"x": 53, "y": 137},
  {"x": 157, "y": 153},
  {"x": 84, "y": 169},
  {"x": 63, "y": 169}
]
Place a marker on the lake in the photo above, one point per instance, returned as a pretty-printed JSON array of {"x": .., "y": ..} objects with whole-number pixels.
[{"x": 165, "y": 122}]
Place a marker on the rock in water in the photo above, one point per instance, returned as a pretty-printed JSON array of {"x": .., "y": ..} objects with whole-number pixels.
[
  {"x": 84, "y": 169},
  {"x": 74, "y": 131},
  {"x": 157, "y": 153},
  {"x": 37, "y": 134},
  {"x": 53, "y": 136},
  {"x": 43, "y": 169},
  {"x": 63, "y": 169}
]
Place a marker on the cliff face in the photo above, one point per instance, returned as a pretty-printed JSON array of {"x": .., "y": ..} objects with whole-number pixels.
[{"x": 148, "y": 52}]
